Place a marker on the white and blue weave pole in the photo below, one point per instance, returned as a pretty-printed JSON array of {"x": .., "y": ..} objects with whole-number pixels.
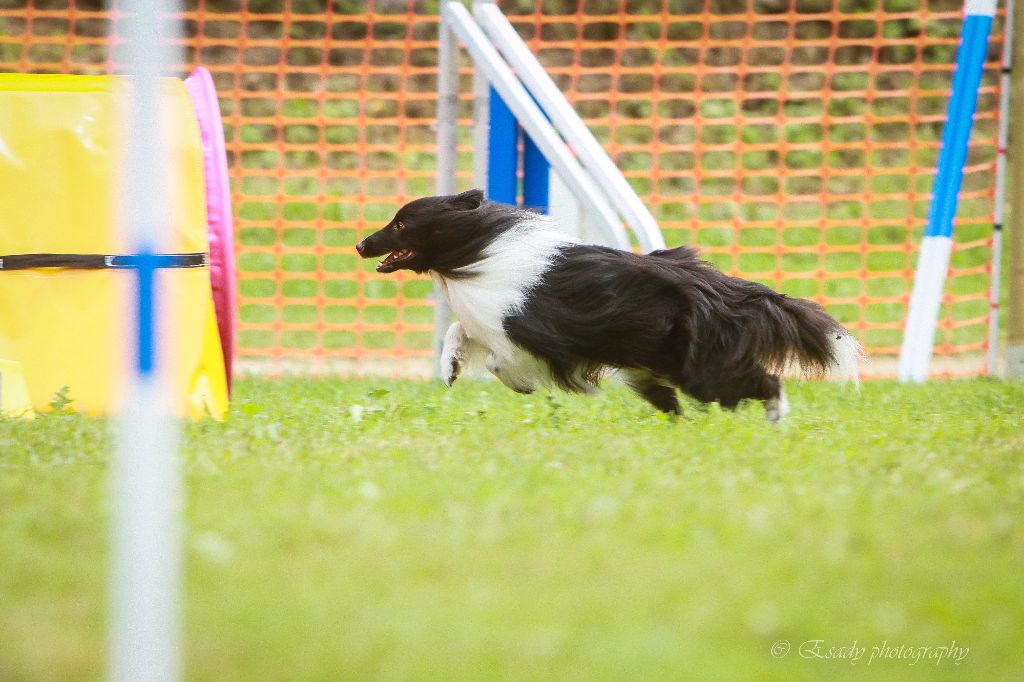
[
  {"x": 146, "y": 477},
  {"x": 937, "y": 245}
]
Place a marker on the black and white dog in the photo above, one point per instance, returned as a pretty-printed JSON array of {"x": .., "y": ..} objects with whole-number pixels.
[{"x": 537, "y": 308}]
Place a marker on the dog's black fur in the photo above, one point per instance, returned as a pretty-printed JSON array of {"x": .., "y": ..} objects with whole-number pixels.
[
  {"x": 715, "y": 337},
  {"x": 669, "y": 318}
]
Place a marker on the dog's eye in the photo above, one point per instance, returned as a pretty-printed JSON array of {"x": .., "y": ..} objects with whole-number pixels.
[{"x": 400, "y": 226}]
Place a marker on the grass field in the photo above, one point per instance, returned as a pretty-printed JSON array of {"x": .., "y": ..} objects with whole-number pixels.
[{"x": 348, "y": 530}]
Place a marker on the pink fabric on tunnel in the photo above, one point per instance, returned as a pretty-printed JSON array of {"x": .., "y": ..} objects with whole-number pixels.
[{"x": 218, "y": 208}]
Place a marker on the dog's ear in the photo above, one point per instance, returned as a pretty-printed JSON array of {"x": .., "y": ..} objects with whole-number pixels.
[{"x": 468, "y": 200}]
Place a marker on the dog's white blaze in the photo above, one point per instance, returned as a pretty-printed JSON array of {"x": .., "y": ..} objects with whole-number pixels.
[{"x": 510, "y": 267}]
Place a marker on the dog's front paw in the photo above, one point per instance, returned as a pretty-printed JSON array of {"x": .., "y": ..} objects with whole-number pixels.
[
  {"x": 450, "y": 368},
  {"x": 452, "y": 353}
]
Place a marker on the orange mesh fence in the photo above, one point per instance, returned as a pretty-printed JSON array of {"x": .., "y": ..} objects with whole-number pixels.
[{"x": 793, "y": 141}]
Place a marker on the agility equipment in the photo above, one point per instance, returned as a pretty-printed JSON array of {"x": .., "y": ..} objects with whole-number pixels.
[
  {"x": 66, "y": 272},
  {"x": 14, "y": 400},
  {"x": 218, "y": 211},
  {"x": 146, "y": 474},
  {"x": 558, "y": 149},
  {"x": 937, "y": 245}
]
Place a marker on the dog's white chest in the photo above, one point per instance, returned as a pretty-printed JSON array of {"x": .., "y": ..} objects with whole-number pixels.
[
  {"x": 481, "y": 307},
  {"x": 500, "y": 283}
]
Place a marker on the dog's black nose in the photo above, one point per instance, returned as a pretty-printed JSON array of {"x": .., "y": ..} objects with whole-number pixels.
[{"x": 359, "y": 248}]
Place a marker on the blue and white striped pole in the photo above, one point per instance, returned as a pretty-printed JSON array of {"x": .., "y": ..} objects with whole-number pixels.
[{"x": 937, "y": 245}]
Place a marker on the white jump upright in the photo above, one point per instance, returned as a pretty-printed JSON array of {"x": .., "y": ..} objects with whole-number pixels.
[
  {"x": 447, "y": 154},
  {"x": 999, "y": 206},
  {"x": 533, "y": 119},
  {"x": 937, "y": 245},
  {"x": 146, "y": 477},
  {"x": 505, "y": 63},
  {"x": 568, "y": 123}
]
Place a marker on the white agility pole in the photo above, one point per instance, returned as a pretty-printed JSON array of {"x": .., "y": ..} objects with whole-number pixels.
[
  {"x": 565, "y": 210},
  {"x": 481, "y": 118},
  {"x": 937, "y": 245},
  {"x": 567, "y": 122},
  {"x": 534, "y": 122},
  {"x": 998, "y": 210},
  {"x": 146, "y": 477},
  {"x": 447, "y": 158}
]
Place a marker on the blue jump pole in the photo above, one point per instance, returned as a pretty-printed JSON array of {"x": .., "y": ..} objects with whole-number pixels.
[
  {"x": 536, "y": 177},
  {"x": 937, "y": 245},
  {"x": 502, "y": 152}
]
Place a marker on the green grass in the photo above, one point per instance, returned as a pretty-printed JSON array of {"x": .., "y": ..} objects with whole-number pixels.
[{"x": 478, "y": 534}]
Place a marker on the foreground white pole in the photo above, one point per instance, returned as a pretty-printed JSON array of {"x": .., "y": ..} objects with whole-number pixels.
[{"x": 145, "y": 622}]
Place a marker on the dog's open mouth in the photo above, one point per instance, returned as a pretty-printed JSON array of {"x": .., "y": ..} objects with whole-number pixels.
[{"x": 394, "y": 260}]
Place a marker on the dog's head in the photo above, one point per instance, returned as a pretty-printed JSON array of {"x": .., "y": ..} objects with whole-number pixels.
[{"x": 435, "y": 233}]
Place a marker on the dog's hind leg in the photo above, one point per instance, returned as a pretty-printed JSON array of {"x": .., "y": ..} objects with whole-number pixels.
[
  {"x": 778, "y": 407},
  {"x": 647, "y": 386},
  {"x": 764, "y": 387},
  {"x": 459, "y": 350},
  {"x": 769, "y": 390},
  {"x": 730, "y": 389},
  {"x": 521, "y": 372}
]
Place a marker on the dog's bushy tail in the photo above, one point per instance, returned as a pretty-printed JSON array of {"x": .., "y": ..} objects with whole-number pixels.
[
  {"x": 764, "y": 327},
  {"x": 799, "y": 333}
]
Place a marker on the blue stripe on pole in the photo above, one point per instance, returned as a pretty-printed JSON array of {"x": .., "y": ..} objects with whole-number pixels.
[
  {"x": 502, "y": 156},
  {"x": 147, "y": 264},
  {"x": 536, "y": 177},
  {"x": 959, "y": 120}
]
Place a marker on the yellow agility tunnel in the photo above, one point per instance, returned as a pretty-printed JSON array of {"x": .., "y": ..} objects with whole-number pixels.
[{"x": 66, "y": 277}]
